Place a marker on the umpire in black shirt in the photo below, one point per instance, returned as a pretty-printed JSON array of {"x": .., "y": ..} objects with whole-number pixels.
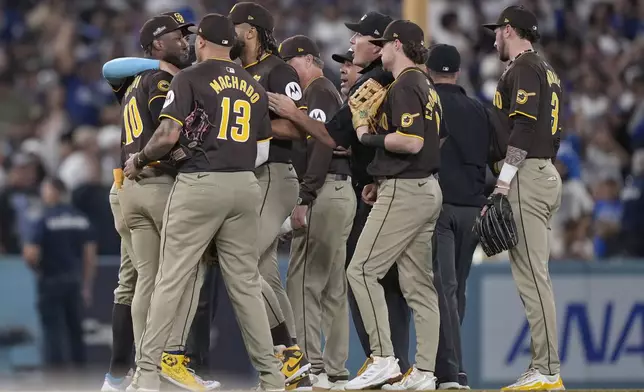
[
  {"x": 339, "y": 132},
  {"x": 462, "y": 179}
]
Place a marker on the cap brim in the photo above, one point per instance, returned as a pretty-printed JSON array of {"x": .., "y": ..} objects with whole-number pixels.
[
  {"x": 340, "y": 58},
  {"x": 491, "y": 26},
  {"x": 355, "y": 27},
  {"x": 380, "y": 41}
]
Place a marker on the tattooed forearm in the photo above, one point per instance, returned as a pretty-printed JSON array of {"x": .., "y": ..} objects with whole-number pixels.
[
  {"x": 515, "y": 156},
  {"x": 163, "y": 140}
]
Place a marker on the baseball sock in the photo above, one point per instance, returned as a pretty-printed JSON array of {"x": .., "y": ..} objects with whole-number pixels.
[
  {"x": 122, "y": 340},
  {"x": 281, "y": 336}
]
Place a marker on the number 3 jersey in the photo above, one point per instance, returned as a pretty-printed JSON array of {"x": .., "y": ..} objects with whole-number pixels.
[
  {"x": 141, "y": 100},
  {"x": 223, "y": 113},
  {"x": 529, "y": 90}
]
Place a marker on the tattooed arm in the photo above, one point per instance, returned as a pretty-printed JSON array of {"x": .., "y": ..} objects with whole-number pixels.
[
  {"x": 513, "y": 160},
  {"x": 164, "y": 138}
]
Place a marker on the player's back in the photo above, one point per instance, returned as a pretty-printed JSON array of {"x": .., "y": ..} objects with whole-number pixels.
[
  {"x": 228, "y": 115},
  {"x": 536, "y": 90},
  {"x": 140, "y": 107}
]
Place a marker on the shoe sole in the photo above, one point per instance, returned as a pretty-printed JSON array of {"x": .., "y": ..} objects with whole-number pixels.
[
  {"x": 378, "y": 385},
  {"x": 178, "y": 384},
  {"x": 299, "y": 373}
]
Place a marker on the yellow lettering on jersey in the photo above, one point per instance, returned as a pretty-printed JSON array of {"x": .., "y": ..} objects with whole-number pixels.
[
  {"x": 215, "y": 86},
  {"x": 552, "y": 78},
  {"x": 233, "y": 82},
  {"x": 134, "y": 85},
  {"x": 498, "y": 101}
]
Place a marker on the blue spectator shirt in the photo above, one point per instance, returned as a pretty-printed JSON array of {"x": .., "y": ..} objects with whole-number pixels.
[{"x": 61, "y": 233}]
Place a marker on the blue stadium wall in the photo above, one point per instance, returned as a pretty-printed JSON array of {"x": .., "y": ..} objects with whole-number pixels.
[{"x": 600, "y": 310}]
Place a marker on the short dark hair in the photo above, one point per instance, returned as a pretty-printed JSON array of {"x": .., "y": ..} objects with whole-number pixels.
[
  {"x": 416, "y": 52},
  {"x": 57, "y": 183},
  {"x": 530, "y": 35},
  {"x": 267, "y": 42}
]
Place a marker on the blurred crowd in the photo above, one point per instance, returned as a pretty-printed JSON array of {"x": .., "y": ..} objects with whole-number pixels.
[{"x": 58, "y": 117}]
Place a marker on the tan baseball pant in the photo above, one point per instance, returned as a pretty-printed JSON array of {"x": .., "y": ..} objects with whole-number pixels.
[
  {"x": 280, "y": 189},
  {"x": 124, "y": 292},
  {"x": 316, "y": 282},
  {"x": 143, "y": 204},
  {"x": 399, "y": 230},
  {"x": 535, "y": 196},
  {"x": 203, "y": 206}
]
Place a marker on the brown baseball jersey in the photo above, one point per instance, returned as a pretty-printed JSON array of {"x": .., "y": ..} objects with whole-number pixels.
[
  {"x": 323, "y": 100},
  {"x": 411, "y": 108},
  {"x": 141, "y": 104},
  {"x": 223, "y": 112},
  {"x": 530, "y": 88},
  {"x": 277, "y": 77}
]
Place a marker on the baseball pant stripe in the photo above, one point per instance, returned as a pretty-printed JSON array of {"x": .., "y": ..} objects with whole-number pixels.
[
  {"x": 188, "y": 320},
  {"x": 306, "y": 259},
  {"x": 364, "y": 276},
  {"x": 265, "y": 195},
  {"x": 534, "y": 278}
]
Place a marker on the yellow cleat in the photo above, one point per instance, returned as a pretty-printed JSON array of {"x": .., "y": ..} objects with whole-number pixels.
[
  {"x": 533, "y": 380},
  {"x": 294, "y": 364},
  {"x": 174, "y": 369}
]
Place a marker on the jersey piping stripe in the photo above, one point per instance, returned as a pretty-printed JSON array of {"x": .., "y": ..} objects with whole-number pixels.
[
  {"x": 155, "y": 97},
  {"x": 401, "y": 74},
  {"x": 303, "y": 107},
  {"x": 410, "y": 135},
  {"x": 534, "y": 278},
  {"x": 364, "y": 276},
  {"x": 171, "y": 118},
  {"x": 258, "y": 61},
  {"x": 523, "y": 114}
]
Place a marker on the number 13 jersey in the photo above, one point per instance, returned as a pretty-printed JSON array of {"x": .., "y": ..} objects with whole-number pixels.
[
  {"x": 531, "y": 89},
  {"x": 223, "y": 112}
]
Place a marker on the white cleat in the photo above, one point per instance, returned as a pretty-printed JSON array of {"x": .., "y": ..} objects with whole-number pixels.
[
  {"x": 533, "y": 380},
  {"x": 414, "y": 380},
  {"x": 378, "y": 372}
]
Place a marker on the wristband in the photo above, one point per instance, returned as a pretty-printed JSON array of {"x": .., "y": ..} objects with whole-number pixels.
[
  {"x": 507, "y": 173},
  {"x": 373, "y": 140},
  {"x": 141, "y": 160}
]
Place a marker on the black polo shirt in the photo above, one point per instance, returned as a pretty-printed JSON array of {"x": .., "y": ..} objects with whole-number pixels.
[
  {"x": 341, "y": 129},
  {"x": 464, "y": 153}
]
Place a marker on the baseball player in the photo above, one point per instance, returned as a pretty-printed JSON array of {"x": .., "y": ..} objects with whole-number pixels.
[
  {"x": 278, "y": 179},
  {"x": 219, "y": 115},
  {"x": 338, "y": 131},
  {"x": 143, "y": 200},
  {"x": 401, "y": 223},
  {"x": 141, "y": 209},
  {"x": 530, "y": 93},
  {"x": 322, "y": 219}
]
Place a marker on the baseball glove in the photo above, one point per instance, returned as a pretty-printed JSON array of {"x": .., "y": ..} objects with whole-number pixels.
[
  {"x": 495, "y": 228},
  {"x": 365, "y": 102}
]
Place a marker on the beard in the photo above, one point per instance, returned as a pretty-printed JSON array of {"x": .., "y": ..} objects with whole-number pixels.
[
  {"x": 237, "y": 49},
  {"x": 503, "y": 53},
  {"x": 181, "y": 60}
]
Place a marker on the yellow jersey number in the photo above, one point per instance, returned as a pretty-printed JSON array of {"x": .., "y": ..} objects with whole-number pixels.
[
  {"x": 554, "y": 121},
  {"x": 132, "y": 121},
  {"x": 241, "y": 132}
]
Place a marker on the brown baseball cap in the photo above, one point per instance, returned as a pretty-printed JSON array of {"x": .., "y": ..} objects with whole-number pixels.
[
  {"x": 515, "y": 16},
  {"x": 217, "y": 29},
  {"x": 298, "y": 45},
  {"x": 253, "y": 14},
  {"x": 160, "y": 25},
  {"x": 404, "y": 31}
]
